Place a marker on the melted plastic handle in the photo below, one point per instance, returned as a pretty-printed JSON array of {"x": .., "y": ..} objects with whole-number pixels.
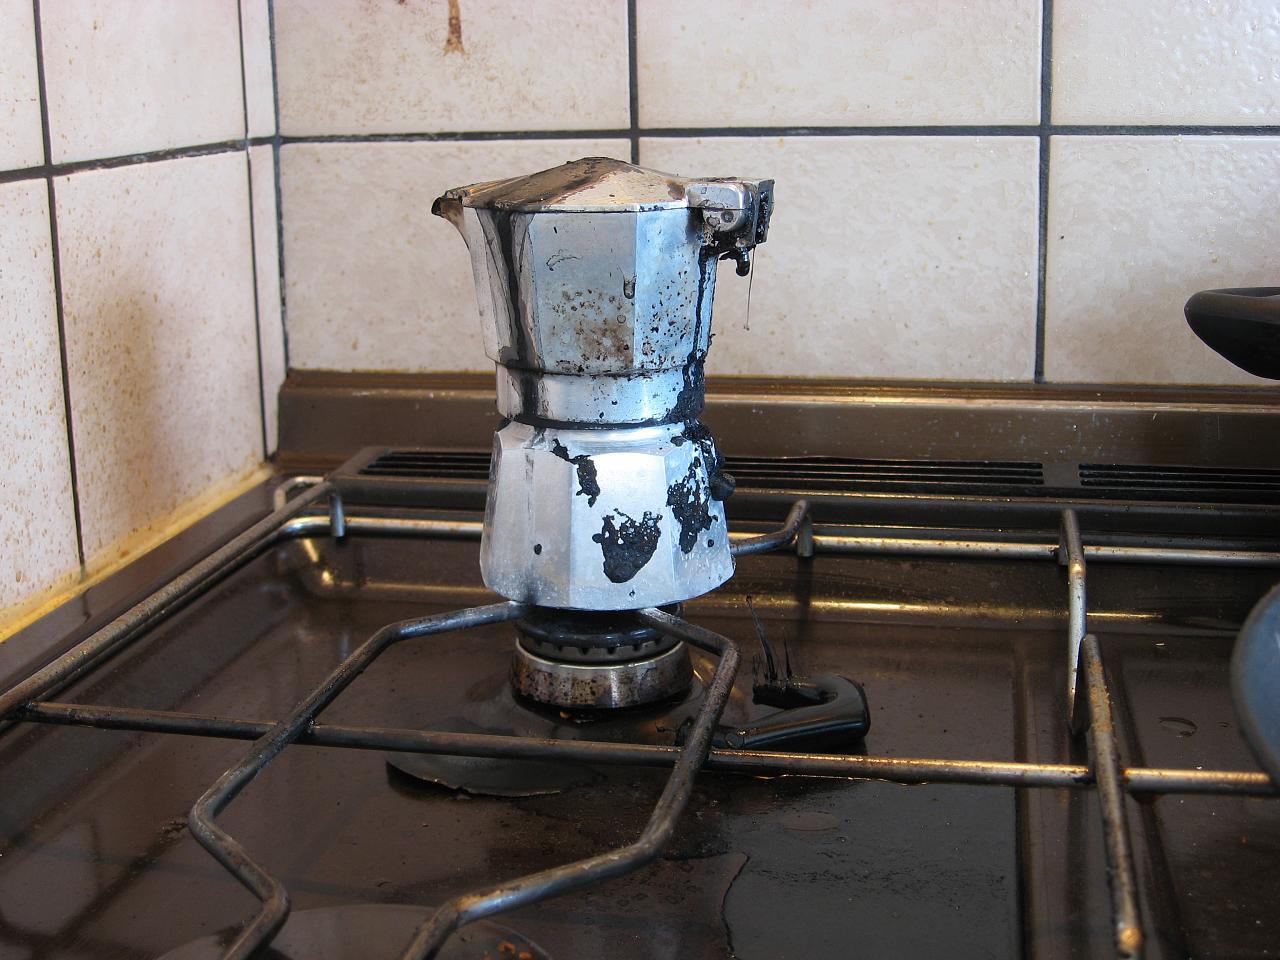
[{"x": 837, "y": 722}]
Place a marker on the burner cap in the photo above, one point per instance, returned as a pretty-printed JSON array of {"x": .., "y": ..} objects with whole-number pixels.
[
  {"x": 368, "y": 931},
  {"x": 588, "y": 636}
]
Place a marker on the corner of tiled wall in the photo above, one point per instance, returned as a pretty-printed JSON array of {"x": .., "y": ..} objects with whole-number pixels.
[{"x": 141, "y": 345}]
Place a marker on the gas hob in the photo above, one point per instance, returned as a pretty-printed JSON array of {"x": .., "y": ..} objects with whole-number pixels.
[{"x": 970, "y": 821}]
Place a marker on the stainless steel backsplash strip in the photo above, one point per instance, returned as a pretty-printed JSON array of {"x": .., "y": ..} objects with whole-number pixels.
[{"x": 325, "y": 417}]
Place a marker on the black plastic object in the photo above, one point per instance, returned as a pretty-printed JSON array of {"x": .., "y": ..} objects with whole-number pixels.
[
  {"x": 1255, "y": 681},
  {"x": 1242, "y": 325},
  {"x": 833, "y": 717}
]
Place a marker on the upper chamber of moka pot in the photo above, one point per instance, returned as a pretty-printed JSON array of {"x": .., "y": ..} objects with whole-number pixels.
[{"x": 594, "y": 282}]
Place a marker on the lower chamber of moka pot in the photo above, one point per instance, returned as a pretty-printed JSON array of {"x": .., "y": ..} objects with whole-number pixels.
[{"x": 604, "y": 520}]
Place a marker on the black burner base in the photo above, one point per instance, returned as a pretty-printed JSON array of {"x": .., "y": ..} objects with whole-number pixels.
[{"x": 506, "y": 713}]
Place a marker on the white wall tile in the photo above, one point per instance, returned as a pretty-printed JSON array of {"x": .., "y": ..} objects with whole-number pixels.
[
  {"x": 37, "y": 522},
  {"x": 128, "y": 76},
  {"x": 886, "y": 257},
  {"x": 1137, "y": 225},
  {"x": 1179, "y": 62},
  {"x": 259, "y": 94},
  {"x": 373, "y": 280},
  {"x": 348, "y": 66},
  {"x": 725, "y": 63},
  {"x": 157, "y": 286},
  {"x": 21, "y": 140},
  {"x": 266, "y": 252}
]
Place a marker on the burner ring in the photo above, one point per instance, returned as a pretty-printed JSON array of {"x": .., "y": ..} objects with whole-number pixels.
[
  {"x": 592, "y": 637},
  {"x": 571, "y": 653},
  {"x": 628, "y": 683}
]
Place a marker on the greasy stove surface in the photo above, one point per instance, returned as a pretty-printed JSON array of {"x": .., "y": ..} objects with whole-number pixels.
[{"x": 960, "y": 659}]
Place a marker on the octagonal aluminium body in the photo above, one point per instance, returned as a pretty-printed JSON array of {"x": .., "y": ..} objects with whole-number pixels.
[
  {"x": 602, "y": 519},
  {"x": 591, "y": 293},
  {"x": 604, "y": 270}
]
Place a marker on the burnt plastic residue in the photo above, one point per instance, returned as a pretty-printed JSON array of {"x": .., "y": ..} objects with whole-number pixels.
[
  {"x": 691, "y": 396},
  {"x": 722, "y": 484},
  {"x": 688, "y": 500},
  {"x": 488, "y": 776},
  {"x": 588, "y": 482},
  {"x": 505, "y": 239},
  {"x": 628, "y": 546}
]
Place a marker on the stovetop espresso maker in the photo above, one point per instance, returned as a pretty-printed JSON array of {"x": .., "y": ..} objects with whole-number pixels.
[{"x": 595, "y": 283}]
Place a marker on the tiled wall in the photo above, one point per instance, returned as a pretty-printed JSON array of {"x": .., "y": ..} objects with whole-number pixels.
[
  {"x": 141, "y": 346},
  {"x": 979, "y": 189},
  {"x": 986, "y": 189}
]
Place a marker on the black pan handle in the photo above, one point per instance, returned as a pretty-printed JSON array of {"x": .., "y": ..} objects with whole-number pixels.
[{"x": 1242, "y": 324}]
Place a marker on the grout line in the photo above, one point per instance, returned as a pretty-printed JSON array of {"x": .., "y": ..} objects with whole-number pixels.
[
  {"x": 1161, "y": 130},
  {"x": 633, "y": 82},
  {"x": 45, "y": 170},
  {"x": 56, "y": 269},
  {"x": 276, "y": 141},
  {"x": 945, "y": 130},
  {"x": 128, "y": 160},
  {"x": 1046, "y": 132},
  {"x": 458, "y": 136},
  {"x": 253, "y": 243}
]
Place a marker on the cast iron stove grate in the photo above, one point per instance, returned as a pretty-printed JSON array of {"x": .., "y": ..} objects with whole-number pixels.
[{"x": 1089, "y": 700}]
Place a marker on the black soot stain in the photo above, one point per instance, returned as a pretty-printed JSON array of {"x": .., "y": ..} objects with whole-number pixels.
[
  {"x": 628, "y": 546},
  {"x": 555, "y": 260},
  {"x": 588, "y": 483},
  {"x": 688, "y": 500}
]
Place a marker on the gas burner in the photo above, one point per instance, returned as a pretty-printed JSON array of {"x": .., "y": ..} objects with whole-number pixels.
[
  {"x": 359, "y": 931},
  {"x": 575, "y": 659}
]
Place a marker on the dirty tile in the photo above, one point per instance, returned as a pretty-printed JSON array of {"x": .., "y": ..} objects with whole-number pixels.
[
  {"x": 266, "y": 255},
  {"x": 21, "y": 143},
  {"x": 255, "y": 21},
  {"x": 351, "y": 66},
  {"x": 1190, "y": 62},
  {"x": 157, "y": 283},
  {"x": 887, "y": 256},
  {"x": 373, "y": 281},
  {"x": 37, "y": 521},
  {"x": 775, "y": 63},
  {"x": 1137, "y": 225},
  {"x": 129, "y": 76}
]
